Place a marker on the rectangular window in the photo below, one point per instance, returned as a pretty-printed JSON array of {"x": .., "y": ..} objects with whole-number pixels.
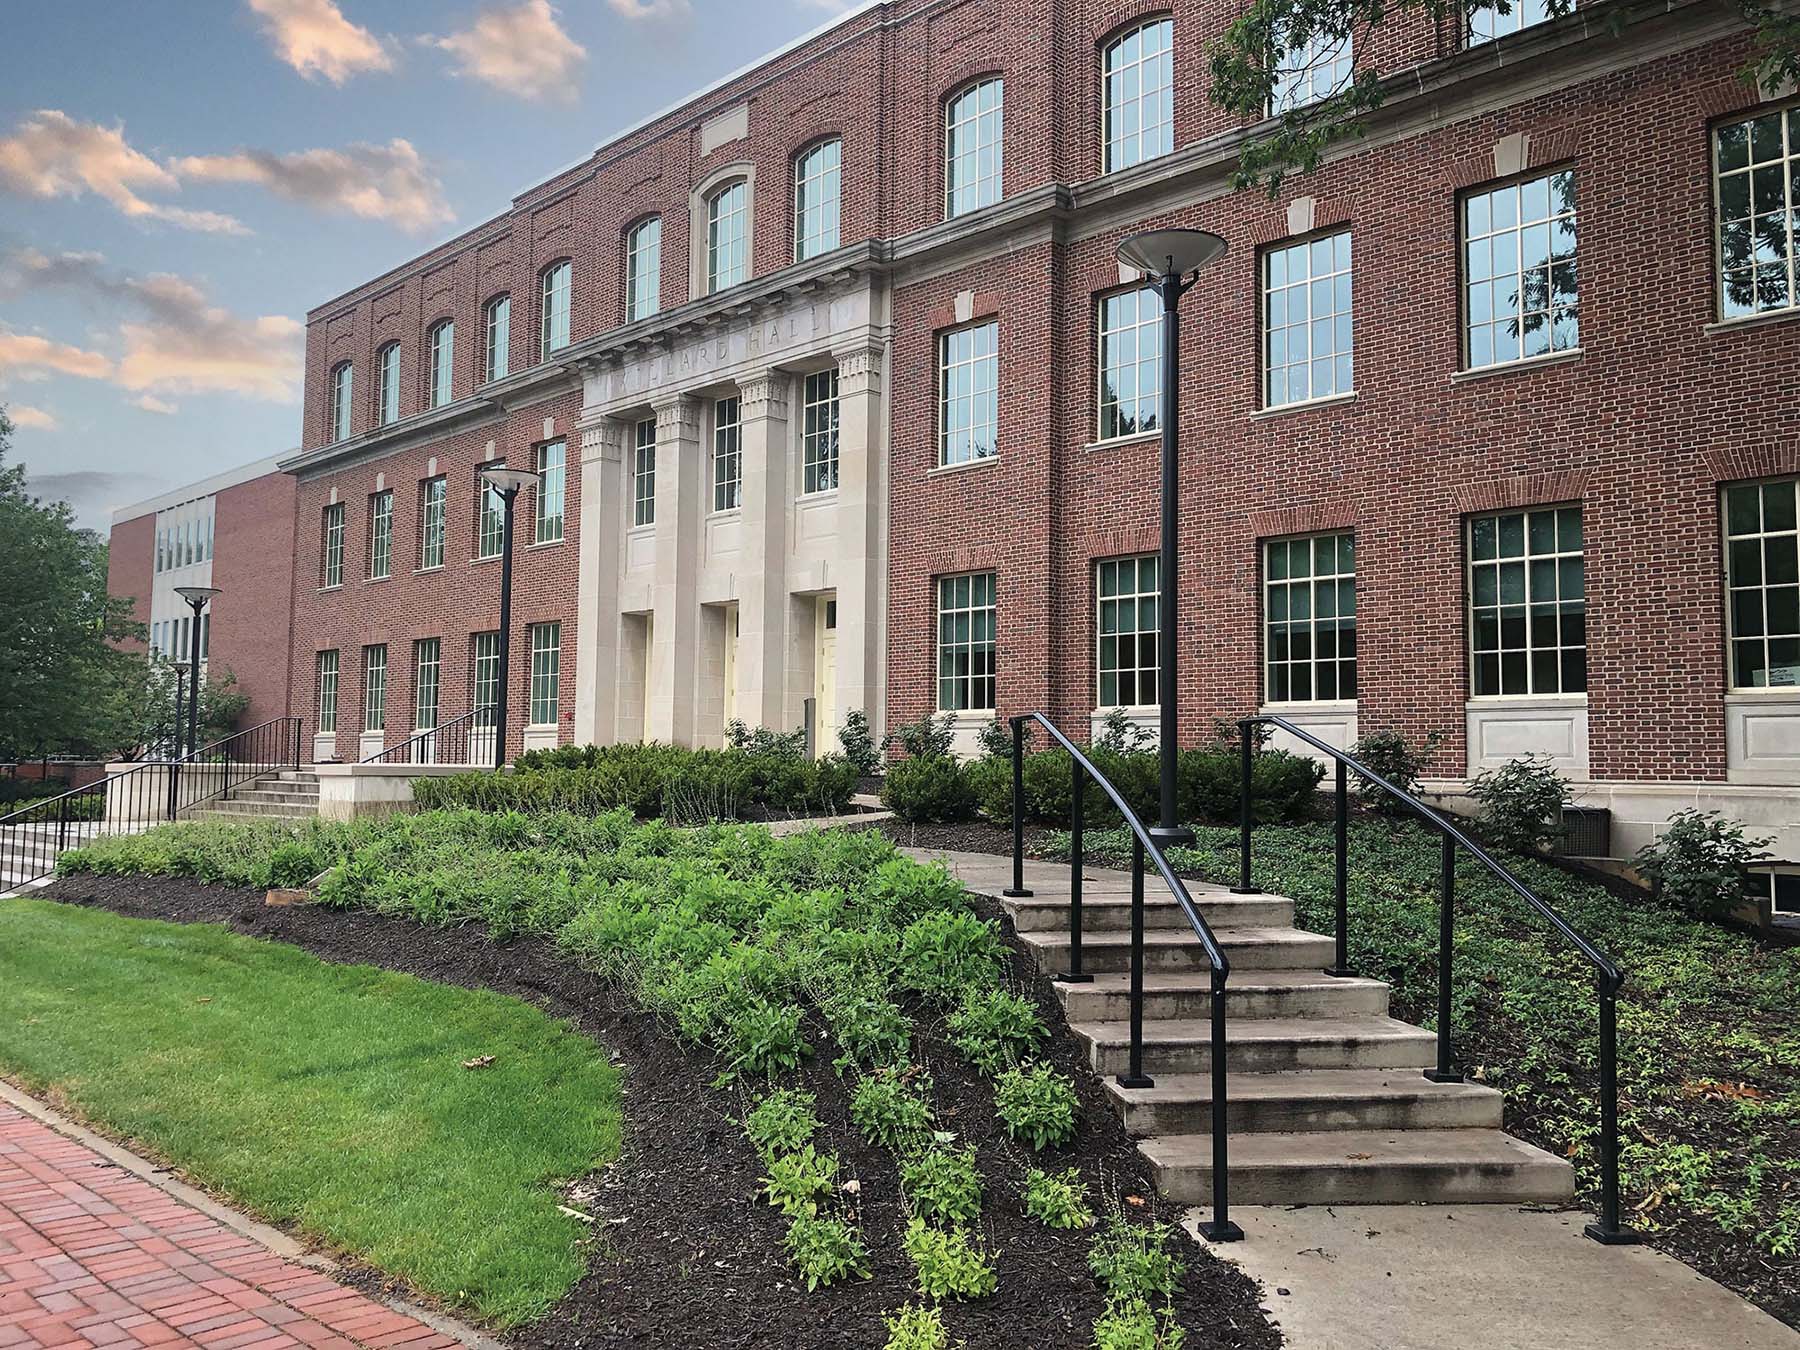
[
  {"x": 499, "y": 337},
  {"x": 968, "y": 394},
  {"x": 1307, "y": 325},
  {"x": 727, "y": 458},
  {"x": 490, "y": 524},
  {"x": 1309, "y": 618},
  {"x": 551, "y": 459},
  {"x": 1519, "y": 285},
  {"x": 342, "y": 382},
  {"x": 1126, "y": 592},
  {"x": 332, "y": 554},
  {"x": 816, "y": 191},
  {"x": 427, "y": 679},
  {"x": 973, "y": 143},
  {"x": 328, "y": 682},
  {"x": 375, "y": 688},
  {"x": 819, "y": 432},
  {"x": 432, "y": 493},
  {"x": 205, "y": 636},
  {"x": 1130, "y": 393},
  {"x": 1528, "y": 602},
  {"x": 546, "y": 672},
  {"x": 381, "y": 535},
  {"x": 643, "y": 270},
  {"x": 643, "y": 474},
  {"x": 1487, "y": 22},
  {"x": 1140, "y": 95},
  {"x": 1757, "y": 167},
  {"x": 388, "y": 384},
  {"x": 966, "y": 624},
  {"x": 1310, "y": 72},
  {"x": 440, "y": 388},
  {"x": 182, "y": 653},
  {"x": 1762, "y": 577},
  {"x": 727, "y": 237},
  {"x": 553, "y": 334},
  {"x": 485, "y": 678}
]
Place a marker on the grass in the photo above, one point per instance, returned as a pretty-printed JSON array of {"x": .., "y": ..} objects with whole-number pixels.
[{"x": 331, "y": 1096}]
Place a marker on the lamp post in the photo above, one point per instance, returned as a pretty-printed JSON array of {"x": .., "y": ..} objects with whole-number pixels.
[
  {"x": 1174, "y": 259},
  {"x": 507, "y": 484},
  {"x": 197, "y": 597}
]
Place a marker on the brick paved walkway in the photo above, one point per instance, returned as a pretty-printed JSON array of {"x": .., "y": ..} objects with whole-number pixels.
[{"x": 91, "y": 1255}]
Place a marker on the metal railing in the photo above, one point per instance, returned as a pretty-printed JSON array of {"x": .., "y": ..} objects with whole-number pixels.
[
  {"x": 1608, "y": 976},
  {"x": 1219, "y": 1228},
  {"x": 446, "y": 743},
  {"x": 146, "y": 794}
]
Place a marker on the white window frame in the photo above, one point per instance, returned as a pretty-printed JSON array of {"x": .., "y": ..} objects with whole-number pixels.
[
  {"x": 1495, "y": 236},
  {"x": 1786, "y": 168},
  {"x": 1108, "y": 610},
  {"x": 556, "y": 286},
  {"x": 327, "y": 691},
  {"x": 818, "y": 198},
  {"x": 1778, "y": 546},
  {"x": 1125, "y": 323},
  {"x": 643, "y": 473},
  {"x": 974, "y": 146},
  {"x": 387, "y": 383},
  {"x": 1486, "y": 24},
  {"x": 1531, "y": 553},
  {"x": 544, "y": 689},
  {"x": 1137, "y": 83},
  {"x": 643, "y": 269},
  {"x": 497, "y": 333},
  {"x": 727, "y": 235},
  {"x": 434, "y": 501},
  {"x": 727, "y": 454},
  {"x": 552, "y": 466},
  {"x": 974, "y": 597},
  {"x": 969, "y": 392},
  {"x": 381, "y": 535},
  {"x": 1311, "y": 72},
  {"x": 375, "y": 687},
  {"x": 1296, "y": 276},
  {"x": 428, "y": 672},
  {"x": 332, "y": 547},
  {"x": 1281, "y": 586},
  {"x": 441, "y": 374},
  {"x": 490, "y": 521},
  {"x": 819, "y": 449},
  {"x": 343, "y": 383},
  {"x": 484, "y": 677}
]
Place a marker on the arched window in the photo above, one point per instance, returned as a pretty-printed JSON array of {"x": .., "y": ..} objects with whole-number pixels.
[
  {"x": 643, "y": 270},
  {"x": 1140, "y": 94},
  {"x": 438, "y": 388},
  {"x": 553, "y": 312},
  {"x": 342, "y": 379},
  {"x": 973, "y": 168},
  {"x": 728, "y": 236},
  {"x": 816, "y": 195},
  {"x": 387, "y": 384},
  {"x": 497, "y": 324}
]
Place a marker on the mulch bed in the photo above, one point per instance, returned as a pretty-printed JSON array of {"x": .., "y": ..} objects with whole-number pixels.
[{"x": 685, "y": 1255}]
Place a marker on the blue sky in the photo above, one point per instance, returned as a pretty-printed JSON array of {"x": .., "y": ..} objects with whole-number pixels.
[{"x": 181, "y": 180}]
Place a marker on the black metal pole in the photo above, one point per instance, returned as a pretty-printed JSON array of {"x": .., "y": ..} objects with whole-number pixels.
[
  {"x": 1607, "y": 1230},
  {"x": 1077, "y": 854},
  {"x": 1017, "y": 890},
  {"x": 194, "y": 683},
  {"x": 1137, "y": 1078},
  {"x": 1246, "y": 729},
  {"x": 1341, "y": 880},
  {"x": 1168, "y": 589},
  {"x": 1220, "y": 1228},
  {"x": 506, "y": 552},
  {"x": 1446, "y": 936}
]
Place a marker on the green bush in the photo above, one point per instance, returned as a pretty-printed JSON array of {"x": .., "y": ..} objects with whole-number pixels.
[
  {"x": 1133, "y": 1261},
  {"x": 858, "y": 742},
  {"x": 928, "y": 790},
  {"x": 800, "y": 1182},
  {"x": 889, "y": 1112},
  {"x": 917, "y": 1328},
  {"x": 1132, "y": 1324},
  {"x": 1207, "y": 783},
  {"x": 948, "y": 1264},
  {"x": 928, "y": 738},
  {"x": 785, "y": 1121},
  {"x": 1522, "y": 803},
  {"x": 1036, "y": 1105},
  {"x": 1698, "y": 862},
  {"x": 1396, "y": 759},
  {"x": 943, "y": 1187},
  {"x": 825, "y": 1251},
  {"x": 995, "y": 1029},
  {"x": 1057, "y": 1200},
  {"x": 942, "y": 954}
]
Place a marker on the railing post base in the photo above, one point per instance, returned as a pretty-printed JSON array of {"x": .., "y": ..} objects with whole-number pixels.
[
  {"x": 1070, "y": 977},
  {"x": 1220, "y": 1232},
  {"x": 1246, "y": 890},
  {"x": 1135, "y": 1080},
  {"x": 1018, "y": 893},
  {"x": 1613, "y": 1237},
  {"x": 1443, "y": 1076},
  {"x": 1342, "y": 973},
  {"x": 1173, "y": 836}
]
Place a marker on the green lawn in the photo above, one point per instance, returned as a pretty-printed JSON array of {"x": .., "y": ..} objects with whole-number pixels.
[{"x": 332, "y": 1096}]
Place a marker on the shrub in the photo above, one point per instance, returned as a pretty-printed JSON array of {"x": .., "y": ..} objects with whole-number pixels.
[
  {"x": 1121, "y": 735},
  {"x": 1282, "y": 786},
  {"x": 858, "y": 742},
  {"x": 994, "y": 1029},
  {"x": 1133, "y": 1261},
  {"x": 789, "y": 745},
  {"x": 1036, "y": 1105},
  {"x": 928, "y": 738},
  {"x": 1057, "y": 1200},
  {"x": 870, "y": 1029},
  {"x": 765, "y": 1038},
  {"x": 1522, "y": 803},
  {"x": 917, "y": 1328},
  {"x": 783, "y": 1122},
  {"x": 945, "y": 953},
  {"x": 1131, "y": 1324},
  {"x": 825, "y": 1251},
  {"x": 995, "y": 739},
  {"x": 943, "y": 1187},
  {"x": 928, "y": 789},
  {"x": 1396, "y": 759},
  {"x": 948, "y": 1264},
  {"x": 1697, "y": 863},
  {"x": 800, "y": 1182},
  {"x": 890, "y": 1113}
]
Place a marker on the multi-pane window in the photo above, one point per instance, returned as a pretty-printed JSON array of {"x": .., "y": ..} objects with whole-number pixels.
[
  {"x": 1762, "y": 543},
  {"x": 490, "y": 522},
  {"x": 1528, "y": 602},
  {"x": 643, "y": 270},
  {"x": 342, "y": 379},
  {"x": 375, "y": 687},
  {"x": 1487, "y": 22},
  {"x": 819, "y": 432},
  {"x": 428, "y": 669},
  {"x": 484, "y": 682},
  {"x": 546, "y": 672},
  {"x": 387, "y": 384},
  {"x": 551, "y": 458},
  {"x": 643, "y": 473},
  {"x": 1758, "y": 182},
  {"x": 1519, "y": 270},
  {"x": 1307, "y": 338},
  {"x": 973, "y": 167},
  {"x": 727, "y": 456},
  {"x": 1126, "y": 592},
  {"x": 816, "y": 196},
  {"x": 381, "y": 535},
  {"x": 497, "y": 360},
  {"x": 553, "y": 312},
  {"x": 1130, "y": 363},
  {"x": 966, "y": 622},
  {"x": 432, "y": 493},
  {"x": 332, "y": 552},
  {"x": 1310, "y": 72},
  {"x": 1140, "y": 95},
  {"x": 328, "y": 685},
  {"x": 438, "y": 385},
  {"x": 728, "y": 236},
  {"x": 1309, "y": 618},
  {"x": 968, "y": 394}
]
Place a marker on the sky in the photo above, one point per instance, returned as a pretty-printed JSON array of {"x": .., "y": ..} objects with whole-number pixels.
[{"x": 181, "y": 180}]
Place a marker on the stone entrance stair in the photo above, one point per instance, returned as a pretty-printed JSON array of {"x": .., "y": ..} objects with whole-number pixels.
[
  {"x": 1327, "y": 1100},
  {"x": 292, "y": 794}
]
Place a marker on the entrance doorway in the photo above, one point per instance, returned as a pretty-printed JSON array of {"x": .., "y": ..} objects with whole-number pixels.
[{"x": 825, "y": 715}]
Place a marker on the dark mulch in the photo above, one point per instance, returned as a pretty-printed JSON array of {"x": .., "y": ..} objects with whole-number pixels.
[
  {"x": 972, "y": 836},
  {"x": 686, "y": 1256}
]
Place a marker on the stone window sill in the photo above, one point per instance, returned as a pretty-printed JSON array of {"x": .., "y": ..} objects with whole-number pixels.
[
  {"x": 966, "y": 465},
  {"x": 1744, "y": 321},
  {"x": 1304, "y": 405},
  {"x": 1518, "y": 367},
  {"x": 1120, "y": 442}
]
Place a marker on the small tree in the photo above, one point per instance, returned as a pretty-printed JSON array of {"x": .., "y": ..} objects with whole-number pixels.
[
  {"x": 928, "y": 738},
  {"x": 1699, "y": 862},
  {"x": 1396, "y": 759},
  {"x": 1522, "y": 803},
  {"x": 859, "y": 745}
]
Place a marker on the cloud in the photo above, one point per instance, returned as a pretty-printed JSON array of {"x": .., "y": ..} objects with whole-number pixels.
[
  {"x": 389, "y": 182},
  {"x": 151, "y": 404},
  {"x": 27, "y": 355},
  {"x": 315, "y": 38},
  {"x": 92, "y": 493},
  {"x": 649, "y": 9},
  {"x": 830, "y": 6},
  {"x": 53, "y": 155},
  {"x": 37, "y": 419},
  {"x": 519, "y": 49}
]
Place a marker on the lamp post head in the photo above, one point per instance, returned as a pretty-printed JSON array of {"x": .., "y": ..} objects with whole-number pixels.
[
  {"x": 507, "y": 482},
  {"x": 197, "y": 596},
  {"x": 1162, "y": 253}
]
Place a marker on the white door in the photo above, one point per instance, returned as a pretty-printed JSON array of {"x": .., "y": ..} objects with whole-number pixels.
[
  {"x": 825, "y": 719},
  {"x": 731, "y": 646}
]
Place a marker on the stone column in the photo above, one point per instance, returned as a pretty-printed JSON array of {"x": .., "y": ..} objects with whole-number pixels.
[
  {"x": 681, "y": 487},
  {"x": 768, "y": 493},
  {"x": 861, "y": 568},
  {"x": 604, "y": 488}
]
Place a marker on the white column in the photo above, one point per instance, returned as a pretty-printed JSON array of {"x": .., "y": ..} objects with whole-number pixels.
[
  {"x": 598, "y": 647},
  {"x": 681, "y": 485},
  {"x": 762, "y": 596},
  {"x": 861, "y": 569}
]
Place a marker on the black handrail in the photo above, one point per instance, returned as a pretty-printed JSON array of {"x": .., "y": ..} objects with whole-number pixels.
[
  {"x": 1608, "y": 1230},
  {"x": 425, "y": 746},
  {"x": 1219, "y": 1228}
]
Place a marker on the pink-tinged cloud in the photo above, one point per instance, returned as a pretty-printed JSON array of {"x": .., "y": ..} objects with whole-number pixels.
[
  {"x": 152, "y": 404},
  {"x": 390, "y": 183},
  {"x": 315, "y": 38},
  {"x": 53, "y": 155},
  {"x": 649, "y": 9},
  {"x": 27, "y": 354},
  {"x": 518, "y": 49},
  {"x": 35, "y": 419}
]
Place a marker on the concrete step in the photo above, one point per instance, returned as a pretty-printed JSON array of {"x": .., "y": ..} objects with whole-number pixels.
[
  {"x": 1311, "y": 1100},
  {"x": 1220, "y": 909},
  {"x": 234, "y": 812},
  {"x": 1261, "y": 1045},
  {"x": 275, "y": 794},
  {"x": 1248, "y": 994},
  {"x": 1364, "y": 1167},
  {"x": 256, "y": 806},
  {"x": 1247, "y": 948}
]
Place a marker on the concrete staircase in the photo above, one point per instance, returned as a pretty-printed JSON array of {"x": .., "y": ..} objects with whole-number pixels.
[
  {"x": 292, "y": 794},
  {"x": 1327, "y": 1100}
]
